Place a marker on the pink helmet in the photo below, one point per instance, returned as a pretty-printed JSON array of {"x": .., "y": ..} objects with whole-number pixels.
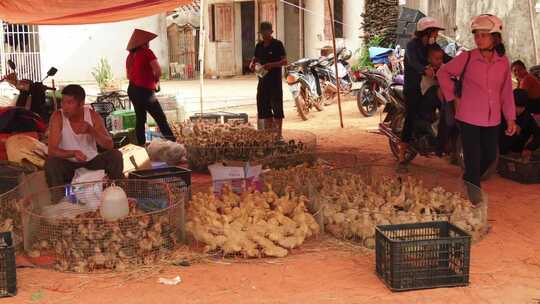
[
  {"x": 428, "y": 23},
  {"x": 487, "y": 22}
]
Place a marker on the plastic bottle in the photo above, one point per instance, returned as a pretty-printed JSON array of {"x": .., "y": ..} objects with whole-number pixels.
[
  {"x": 180, "y": 107},
  {"x": 147, "y": 133}
]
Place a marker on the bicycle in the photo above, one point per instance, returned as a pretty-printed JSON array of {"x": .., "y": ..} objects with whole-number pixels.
[{"x": 118, "y": 98}]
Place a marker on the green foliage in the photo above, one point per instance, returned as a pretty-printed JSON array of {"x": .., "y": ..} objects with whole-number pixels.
[
  {"x": 103, "y": 74},
  {"x": 363, "y": 53}
]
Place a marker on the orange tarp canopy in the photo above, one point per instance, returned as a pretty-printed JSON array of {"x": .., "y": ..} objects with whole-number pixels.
[{"x": 58, "y": 12}]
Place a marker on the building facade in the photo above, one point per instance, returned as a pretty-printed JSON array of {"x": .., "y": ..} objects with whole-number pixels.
[
  {"x": 519, "y": 27},
  {"x": 75, "y": 50},
  {"x": 302, "y": 25}
]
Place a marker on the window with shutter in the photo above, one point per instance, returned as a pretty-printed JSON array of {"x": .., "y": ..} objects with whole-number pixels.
[
  {"x": 267, "y": 12},
  {"x": 223, "y": 27},
  {"x": 337, "y": 9}
]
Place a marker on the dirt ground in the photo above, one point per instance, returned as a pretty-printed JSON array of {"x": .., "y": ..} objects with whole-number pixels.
[{"x": 505, "y": 265}]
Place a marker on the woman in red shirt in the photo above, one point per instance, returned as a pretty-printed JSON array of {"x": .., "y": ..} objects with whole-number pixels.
[{"x": 143, "y": 72}]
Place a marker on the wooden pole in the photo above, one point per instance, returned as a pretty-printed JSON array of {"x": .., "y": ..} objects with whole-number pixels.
[
  {"x": 301, "y": 21},
  {"x": 331, "y": 13},
  {"x": 55, "y": 104},
  {"x": 202, "y": 40},
  {"x": 533, "y": 29}
]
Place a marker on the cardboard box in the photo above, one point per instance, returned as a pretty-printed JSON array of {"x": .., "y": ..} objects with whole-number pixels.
[
  {"x": 240, "y": 176},
  {"x": 135, "y": 158}
]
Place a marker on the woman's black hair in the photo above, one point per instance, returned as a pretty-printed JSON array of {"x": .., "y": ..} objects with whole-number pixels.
[
  {"x": 426, "y": 32},
  {"x": 134, "y": 49},
  {"x": 434, "y": 48},
  {"x": 519, "y": 63},
  {"x": 499, "y": 45}
]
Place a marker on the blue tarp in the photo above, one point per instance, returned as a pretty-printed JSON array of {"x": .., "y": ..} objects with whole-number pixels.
[{"x": 379, "y": 54}]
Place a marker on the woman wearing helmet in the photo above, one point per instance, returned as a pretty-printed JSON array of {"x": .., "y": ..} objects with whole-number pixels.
[
  {"x": 486, "y": 92},
  {"x": 416, "y": 65}
]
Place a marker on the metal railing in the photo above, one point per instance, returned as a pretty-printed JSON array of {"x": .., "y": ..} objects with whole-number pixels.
[{"x": 20, "y": 43}]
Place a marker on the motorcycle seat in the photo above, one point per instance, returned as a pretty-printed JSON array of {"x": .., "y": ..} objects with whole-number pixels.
[{"x": 397, "y": 90}]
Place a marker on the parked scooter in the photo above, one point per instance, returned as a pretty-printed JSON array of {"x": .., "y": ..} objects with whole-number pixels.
[
  {"x": 349, "y": 84},
  {"x": 33, "y": 95},
  {"x": 313, "y": 81},
  {"x": 377, "y": 81},
  {"x": 304, "y": 85},
  {"x": 424, "y": 139}
]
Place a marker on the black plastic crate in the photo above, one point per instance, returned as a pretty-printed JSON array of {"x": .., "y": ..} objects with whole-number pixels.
[
  {"x": 8, "y": 274},
  {"x": 174, "y": 176},
  {"x": 178, "y": 178},
  {"x": 227, "y": 117},
  {"x": 422, "y": 255},
  {"x": 206, "y": 117},
  {"x": 410, "y": 15},
  {"x": 221, "y": 117},
  {"x": 514, "y": 168}
]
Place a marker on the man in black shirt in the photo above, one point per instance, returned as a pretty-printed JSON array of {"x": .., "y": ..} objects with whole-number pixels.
[
  {"x": 270, "y": 57},
  {"x": 527, "y": 138}
]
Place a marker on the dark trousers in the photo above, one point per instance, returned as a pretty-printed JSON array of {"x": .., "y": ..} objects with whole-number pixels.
[
  {"x": 270, "y": 99},
  {"x": 480, "y": 146},
  {"x": 427, "y": 110},
  {"x": 145, "y": 101},
  {"x": 413, "y": 97},
  {"x": 533, "y": 106},
  {"x": 60, "y": 171},
  {"x": 514, "y": 144}
]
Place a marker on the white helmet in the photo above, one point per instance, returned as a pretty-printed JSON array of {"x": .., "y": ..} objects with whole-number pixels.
[
  {"x": 487, "y": 22},
  {"x": 428, "y": 23}
]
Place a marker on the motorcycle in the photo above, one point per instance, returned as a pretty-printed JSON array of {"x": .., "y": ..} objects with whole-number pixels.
[
  {"x": 304, "y": 85},
  {"x": 34, "y": 96},
  {"x": 372, "y": 91},
  {"x": 424, "y": 139},
  {"x": 348, "y": 81},
  {"x": 312, "y": 81},
  {"x": 377, "y": 81}
]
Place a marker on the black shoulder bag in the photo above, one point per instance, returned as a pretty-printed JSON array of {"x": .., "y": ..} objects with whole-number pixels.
[{"x": 450, "y": 106}]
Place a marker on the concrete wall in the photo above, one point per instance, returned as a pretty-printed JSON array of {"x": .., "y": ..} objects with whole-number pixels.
[
  {"x": 76, "y": 49},
  {"x": 515, "y": 15},
  {"x": 314, "y": 26}
]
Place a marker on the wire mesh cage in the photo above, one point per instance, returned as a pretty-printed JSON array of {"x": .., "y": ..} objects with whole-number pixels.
[
  {"x": 66, "y": 227},
  {"x": 8, "y": 273},
  {"x": 355, "y": 200},
  {"x": 10, "y": 214},
  {"x": 251, "y": 225},
  {"x": 224, "y": 142}
]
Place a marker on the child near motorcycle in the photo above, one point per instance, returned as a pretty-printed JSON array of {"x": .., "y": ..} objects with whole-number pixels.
[
  {"x": 431, "y": 92},
  {"x": 527, "y": 138},
  {"x": 431, "y": 101}
]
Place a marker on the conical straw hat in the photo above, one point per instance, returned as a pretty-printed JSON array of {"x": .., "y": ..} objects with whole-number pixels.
[{"x": 139, "y": 37}]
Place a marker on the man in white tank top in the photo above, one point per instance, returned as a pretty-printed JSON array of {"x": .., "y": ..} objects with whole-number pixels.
[{"x": 75, "y": 131}]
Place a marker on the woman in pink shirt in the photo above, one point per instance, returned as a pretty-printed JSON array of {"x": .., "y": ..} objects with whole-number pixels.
[{"x": 486, "y": 93}]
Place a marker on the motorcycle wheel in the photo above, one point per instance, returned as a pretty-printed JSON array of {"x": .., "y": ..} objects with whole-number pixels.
[
  {"x": 396, "y": 126},
  {"x": 301, "y": 106},
  {"x": 319, "y": 104},
  {"x": 365, "y": 100}
]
